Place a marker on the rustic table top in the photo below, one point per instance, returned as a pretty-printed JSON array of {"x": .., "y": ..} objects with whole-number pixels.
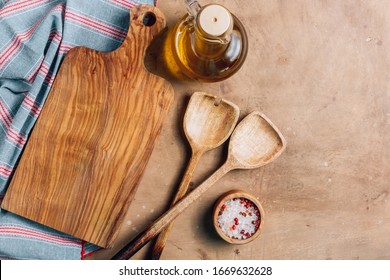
[{"x": 320, "y": 70}]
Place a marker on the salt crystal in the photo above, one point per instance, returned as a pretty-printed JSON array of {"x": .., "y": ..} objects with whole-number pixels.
[{"x": 243, "y": 211}]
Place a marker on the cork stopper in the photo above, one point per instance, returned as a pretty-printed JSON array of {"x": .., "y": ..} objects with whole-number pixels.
[{"x": 215, "y": 20}]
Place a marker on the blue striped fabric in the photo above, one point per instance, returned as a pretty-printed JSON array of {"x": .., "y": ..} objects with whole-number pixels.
[{"x": 35, "y": 35}]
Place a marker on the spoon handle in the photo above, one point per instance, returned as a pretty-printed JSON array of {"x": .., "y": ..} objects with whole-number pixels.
[
  {"x": 161, "y": 239},
  {"x": 150, "y": 232}
]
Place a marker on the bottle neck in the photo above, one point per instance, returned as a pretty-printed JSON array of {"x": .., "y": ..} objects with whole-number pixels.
[
  {"x": 207, "y": 47},
  {"x": 212, "y": 32}
]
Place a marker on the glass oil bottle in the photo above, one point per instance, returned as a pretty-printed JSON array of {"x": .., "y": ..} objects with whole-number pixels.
[{"x": 209, "y": 44}]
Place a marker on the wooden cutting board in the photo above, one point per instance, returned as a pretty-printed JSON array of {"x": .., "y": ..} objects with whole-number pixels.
[{"x": 91, "y": 143}]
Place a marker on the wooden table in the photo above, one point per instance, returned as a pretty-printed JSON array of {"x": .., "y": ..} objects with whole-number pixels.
[{"x": 320, "y": 70}]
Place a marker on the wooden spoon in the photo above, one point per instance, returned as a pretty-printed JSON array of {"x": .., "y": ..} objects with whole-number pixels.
[
  {"x": 254, "y": 143},
  {"x": 208, "y": 122}
]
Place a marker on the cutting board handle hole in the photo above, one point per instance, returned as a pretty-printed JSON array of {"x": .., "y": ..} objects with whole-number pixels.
[{"x": 149, "y": 19}]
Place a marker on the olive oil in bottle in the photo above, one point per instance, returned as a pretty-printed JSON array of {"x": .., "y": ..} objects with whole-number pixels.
[{"x": 209, "y": 44}]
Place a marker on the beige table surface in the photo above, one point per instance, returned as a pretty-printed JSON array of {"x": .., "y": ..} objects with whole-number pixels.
[{"x": 320, "y": 70}]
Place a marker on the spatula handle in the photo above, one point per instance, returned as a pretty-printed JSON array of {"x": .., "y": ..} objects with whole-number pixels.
[
  {"x": 149, "y": 233},
  {"x": 161, "y": 239}
]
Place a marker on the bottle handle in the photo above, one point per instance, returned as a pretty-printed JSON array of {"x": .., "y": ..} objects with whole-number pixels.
[{"x": 193, "y": 7}]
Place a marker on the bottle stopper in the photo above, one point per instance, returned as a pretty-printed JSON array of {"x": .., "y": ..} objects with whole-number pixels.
[{"x": 215, "y": 20}]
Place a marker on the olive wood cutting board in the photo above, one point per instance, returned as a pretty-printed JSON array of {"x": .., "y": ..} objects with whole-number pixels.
[{"x": 91, "y": 143}]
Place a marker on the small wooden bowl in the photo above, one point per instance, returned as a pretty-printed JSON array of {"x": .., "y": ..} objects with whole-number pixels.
[{"x": 229, "y": 196}]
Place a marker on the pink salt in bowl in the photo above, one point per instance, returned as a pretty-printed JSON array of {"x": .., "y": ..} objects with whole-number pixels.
[{"x": 238, "y": 217}]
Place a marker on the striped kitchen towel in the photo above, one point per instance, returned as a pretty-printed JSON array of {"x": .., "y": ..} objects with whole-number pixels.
[{"x": 35, "y": 35}]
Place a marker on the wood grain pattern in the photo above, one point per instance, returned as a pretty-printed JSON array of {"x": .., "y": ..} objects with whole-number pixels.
[
  {"x": 255, "y": 142},
  {"x": 91, "y": 144}
]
